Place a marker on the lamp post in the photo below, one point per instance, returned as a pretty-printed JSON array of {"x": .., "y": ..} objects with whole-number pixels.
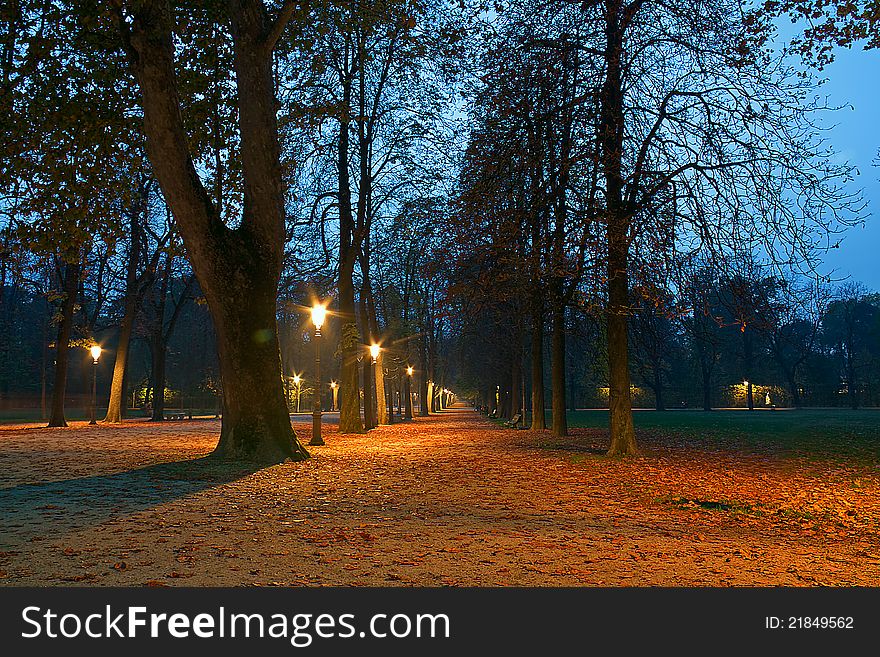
[
  {"x": 319, "y": 313},
  {"x": 375, "y": 350},
  {"x": 408, "y": 405},
  {"x": 389, "y": 394},
  {"x": 297, "y": 379},
  {"x": 334, "y": 387},
  {"x": 95, "y": 350}
]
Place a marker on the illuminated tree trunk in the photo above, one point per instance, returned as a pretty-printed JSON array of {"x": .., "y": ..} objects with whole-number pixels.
[
  {"x": 116, "y": 402},
  {"x": 115, "y": 406},
  {"x": 381, "y": 401}
]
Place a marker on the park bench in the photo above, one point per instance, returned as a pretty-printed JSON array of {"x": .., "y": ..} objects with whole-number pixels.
[
  {"x": 514, "y": 421},
  {"x": 175, "y": 415}
]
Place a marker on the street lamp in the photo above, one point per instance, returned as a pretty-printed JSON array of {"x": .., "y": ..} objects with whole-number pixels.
[
  {"x": 95, "y": 350},
  {"x": 408, "y": 406},
  {"x": 319, "y": 313},
  {"x": 296, "y": 381},
  {"x": 335, "y": 388},
  {"x": 371, "y": 389}
]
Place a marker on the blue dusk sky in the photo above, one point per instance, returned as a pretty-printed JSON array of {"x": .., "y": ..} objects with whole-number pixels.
[{"x": 854, "y": 79}]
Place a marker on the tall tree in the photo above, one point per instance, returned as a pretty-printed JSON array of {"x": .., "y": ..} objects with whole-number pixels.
[{"x": 238, "y": 268}]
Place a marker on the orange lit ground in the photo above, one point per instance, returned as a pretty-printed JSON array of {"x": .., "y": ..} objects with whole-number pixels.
[{"x": 447, "y": 500}]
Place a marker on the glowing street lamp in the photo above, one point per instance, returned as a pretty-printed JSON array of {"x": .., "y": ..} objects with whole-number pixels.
[
  {"x": 408, "y": 405},
  {"x": 297, "y": 379},
  {"x": 95, "y": 350},
  {"x": 319, "y": 313},
  {"x": 374, "y": 352},
  {"x": 335, "y": 388}
]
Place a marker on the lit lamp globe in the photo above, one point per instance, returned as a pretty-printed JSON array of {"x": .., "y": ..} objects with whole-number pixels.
[
  {"x": 319, "y": 314},
  {"x": 374, "y": 351},
  {"x": 95, "y": 350}
]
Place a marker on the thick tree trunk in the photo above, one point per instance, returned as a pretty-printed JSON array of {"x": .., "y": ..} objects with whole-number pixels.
[
  {"x": 350, "y": 347},
  {"x": 256, "y": 424},
  {"x": 115, "y": 406},
  {"x": 62, "y": 344},
  {"x": 557, "y": 371},
  {"x": 537, "y": 366},
  {"x": 623, "y": 439},
  {"x": 381, "y": 400},
  {"x": 238, "y": 269},
  {"x": 116, "y": 403}
]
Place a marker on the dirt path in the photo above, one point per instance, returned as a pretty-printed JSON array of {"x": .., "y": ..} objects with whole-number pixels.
[{"x": 446, "y": 500}]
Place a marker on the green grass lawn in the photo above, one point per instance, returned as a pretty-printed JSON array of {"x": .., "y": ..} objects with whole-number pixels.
[{"x": 820, "y": 431}]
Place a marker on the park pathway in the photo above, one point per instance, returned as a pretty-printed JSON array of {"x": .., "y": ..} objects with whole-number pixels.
[{"x": 452, "y": 499}]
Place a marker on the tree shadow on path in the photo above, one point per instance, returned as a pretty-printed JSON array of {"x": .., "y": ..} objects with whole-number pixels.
[{"x": 51, "y": 508}]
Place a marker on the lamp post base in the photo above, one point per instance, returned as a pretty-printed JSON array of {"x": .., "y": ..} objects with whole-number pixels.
[{"x": 316, "y": 430}]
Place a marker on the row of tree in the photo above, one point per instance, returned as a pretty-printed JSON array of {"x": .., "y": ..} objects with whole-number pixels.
[
  {"x": 461, "y": 180},
  {"x": 645, "y": 164},
  {"x": 251, "y": 157},
  {"x": 728, "y": 342}
]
